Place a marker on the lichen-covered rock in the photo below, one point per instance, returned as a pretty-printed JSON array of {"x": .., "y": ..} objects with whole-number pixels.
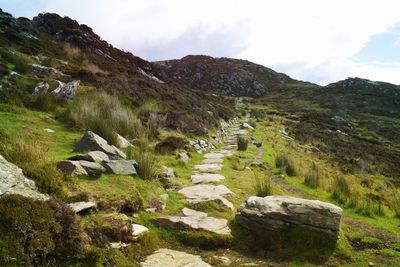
[
  {"x": 173, "y": 258},
  {"x": 66, "y": 91},
  {"x": 13, "y": 181},
  {"x": 279, "y": 212}
]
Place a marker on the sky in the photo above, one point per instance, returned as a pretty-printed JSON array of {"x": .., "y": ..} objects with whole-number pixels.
[{"x": 321, "y": 41}]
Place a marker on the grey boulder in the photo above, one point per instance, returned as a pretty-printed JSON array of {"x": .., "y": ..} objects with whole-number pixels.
[
  {"x": 92, "y": 168},
  {"x": 71, "y": 168},
  {"x": 279, "y": 212},
  {"x": 93, "y": 142},
  {"x": 122, "y": 167},
  {"x": 92, "y": 156},
  {"x": 13, "y": 181},
  {"x": 66, "y": 91}
]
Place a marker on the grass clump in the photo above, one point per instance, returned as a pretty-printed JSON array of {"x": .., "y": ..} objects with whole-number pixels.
[
  {"x": 312, "y": 177},
  {"x": 237, "y": 164},
  {"x": 104, "y": 114},
  {"x": 286, "y": 164},
  {"x": 31, "y": 158},
  {"x": 242, "y": 143},
  {"x": 262, "y": 185},
  {"x": 341, "y": 190},
  {"x": 148, "y": 168}
]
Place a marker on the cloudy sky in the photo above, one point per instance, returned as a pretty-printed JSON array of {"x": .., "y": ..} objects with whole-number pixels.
[{"x": 313, "y": 40}]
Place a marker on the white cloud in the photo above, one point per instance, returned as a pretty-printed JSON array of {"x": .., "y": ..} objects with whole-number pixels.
[{"x": 310, "y": 39}]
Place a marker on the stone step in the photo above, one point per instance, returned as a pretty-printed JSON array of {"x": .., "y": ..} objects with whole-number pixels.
[
  {"x": 211, "y": 161},
  {"x": 190, "y": 219},
  {"x": 172, "y": 258},
  {"x": 210, "y": 167},
  {"x": 204, "y": 193},
  {"x": 203, "y": 178}
]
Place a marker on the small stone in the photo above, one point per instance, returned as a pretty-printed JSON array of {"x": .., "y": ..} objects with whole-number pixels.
[
  {"x": 71, "y": 168},
  {"x": 184, "y": 157},
  {"x": 49, "y": 130},
  {"x": 138, "y": 230},
  {"x": 81, "y": 206},
  {"x": 122, "y": 142}
]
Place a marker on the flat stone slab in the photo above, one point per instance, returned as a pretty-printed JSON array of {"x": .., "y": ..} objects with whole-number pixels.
[
  {"x": 172, "y": 258},
  {"x": 203, "y": 178},
  {"x": 278, "y": 212},
  {"x": 226, "y": 152},
  {"x": 82, "y": 206},
  {"x": 204, "y": 193},
  {"x": 93, "y": 156},
  {"x": 213, "y": 155},
  {"x": 213, "y": 160},
  {"x": 92, "y": 168},
  {"x": 211, "y": 167},
  {"x": 194, "y": 220}
]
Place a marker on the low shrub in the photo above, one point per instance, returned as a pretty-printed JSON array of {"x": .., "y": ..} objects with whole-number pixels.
[
  {"x": 104, "y": 114},
  {"x": 312, "y": 176},
  {"x": 286, "y": 164},
  {"x": 31, "y": 157},
  {"x": 242, "y": 143},
  {"x": 262, "y": 185},
  {"x": 36, "y": 233},
  {"x": 170, "y": 145},
  {"x": 148, "y": 163}
]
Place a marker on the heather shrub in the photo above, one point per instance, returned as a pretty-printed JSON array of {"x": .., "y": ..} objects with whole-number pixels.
[{"x": 170, "y": 145}]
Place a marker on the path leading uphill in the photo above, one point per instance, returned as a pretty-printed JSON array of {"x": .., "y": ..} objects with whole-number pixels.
[{"x": 205, "y": 188}]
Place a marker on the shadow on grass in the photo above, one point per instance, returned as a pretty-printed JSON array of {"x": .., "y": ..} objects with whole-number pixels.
[{"x": 295, "y": 244}]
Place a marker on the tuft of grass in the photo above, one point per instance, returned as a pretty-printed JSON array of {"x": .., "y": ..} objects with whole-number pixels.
[
  {"x": 287, "y": 164},
  {"x": 237, "y": 163},
  {"x": 148, "y": 163},
  {"x": 242, "y": 143},
  {"x": 341, "y": 190},
  {"x": 104, "y": 114},
  {"x": 312, "y": 177},
  {"x": 262, "y": 185},
  {"x": 31, "y": 158}
]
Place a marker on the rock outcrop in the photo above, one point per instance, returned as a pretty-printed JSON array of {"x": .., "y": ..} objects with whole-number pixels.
[
  {"x": 194, "y": 220},
  {"x": 93, "y": 142},
  {"x": 66, "y": 91},
  {"x": 173, "y": 258},
  {"x": 13, "y": 181},
  {"x": 279, "y": 212}
]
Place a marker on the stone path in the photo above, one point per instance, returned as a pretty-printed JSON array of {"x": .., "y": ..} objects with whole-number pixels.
[{"x": 203, "y": 190}]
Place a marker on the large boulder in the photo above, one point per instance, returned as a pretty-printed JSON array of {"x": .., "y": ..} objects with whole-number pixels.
[
  {"x": 194, "y": 220},
  {"x": 71, "y": 168},
  {"x": 13, "y": 181},
  {"x": 93, "y": 142},
  {"x": 66, "y": 91},
  {"x": 280, "y": 212},
  {"x": 173, "y": 258},
  {"x": 122, "y": 167}
]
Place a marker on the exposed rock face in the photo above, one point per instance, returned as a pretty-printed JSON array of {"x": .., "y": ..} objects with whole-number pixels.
[
  {"x": 44, "y": 71},
  {"x": 279, "y": 212},
  {"x": 66, "y": 91},
  {"x": 13, "y": 181},
  {"x": 42, "y": 87},
  {"x": 173, "y": 258},
  {"x": 122, "y": 167},
  {"x": 71, "y": 168},
  {"x": 203, "y": 178},
  {"x": 78, "y": 207},
  {"x": 204, "y": 193},
  {"x": 93, "y": 156},
  {"x": 92, "y": 168},
  {"x": 194, "y": 220},
  {"x": 93, "y": 142}
]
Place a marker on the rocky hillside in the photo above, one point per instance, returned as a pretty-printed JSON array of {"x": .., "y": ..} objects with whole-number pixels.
[
  {"x": 58, "y": 45},
  {"x": 225, "y": 76}
]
